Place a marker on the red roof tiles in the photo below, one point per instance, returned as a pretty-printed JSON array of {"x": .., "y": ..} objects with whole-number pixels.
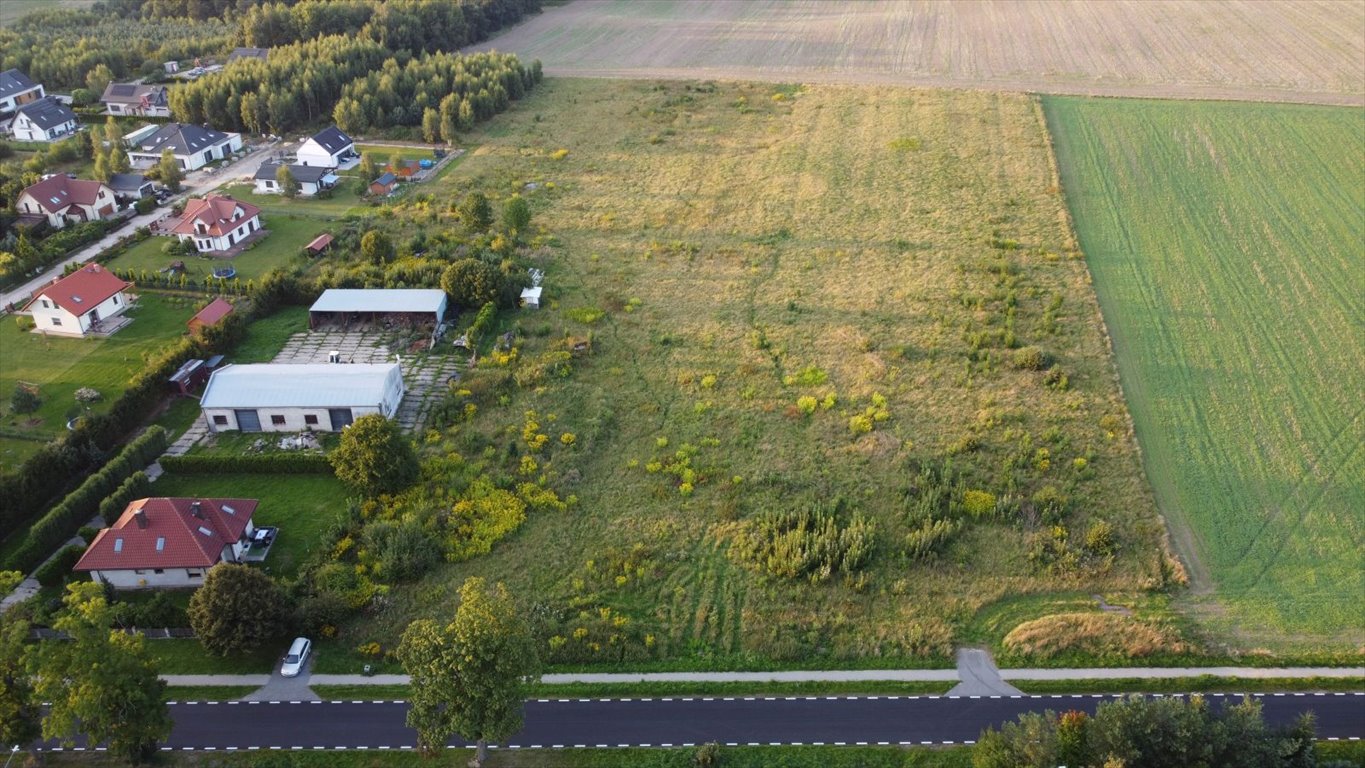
[
  {"x": 217, "y": 213},
  {"x": 170, "y": 534},
  {"x": 215, "y": 311},
  {"x": 82, "y": 290}
]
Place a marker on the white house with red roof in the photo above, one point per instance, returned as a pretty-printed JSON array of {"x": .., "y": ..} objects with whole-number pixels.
[
  {"x": 168, "y": 543},
  {"x": 61, "y": 199},
  {"x": 216, "y": 222},
  {"x": 78, "y": 303}
]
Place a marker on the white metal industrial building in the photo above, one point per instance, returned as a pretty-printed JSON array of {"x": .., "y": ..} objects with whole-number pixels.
[
  {"x": 343, "y": 305},
  {"x": 276, "y": 397}
]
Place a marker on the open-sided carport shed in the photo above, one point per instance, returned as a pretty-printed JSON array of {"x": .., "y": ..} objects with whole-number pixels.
[{"x": 379, "y": 307}]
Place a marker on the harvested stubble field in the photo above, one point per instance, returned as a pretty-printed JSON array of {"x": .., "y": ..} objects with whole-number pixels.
[
  {"x": 733, "y": 250},
  {"x": 1292, "y": 51},
  {"x": 1225, "y": 241}
]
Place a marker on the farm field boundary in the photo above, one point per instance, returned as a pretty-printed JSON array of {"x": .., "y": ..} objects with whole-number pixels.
[{"x": 1224, "y": 242}]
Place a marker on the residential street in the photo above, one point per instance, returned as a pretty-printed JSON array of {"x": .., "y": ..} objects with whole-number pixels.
[{"x": 686, "y": 721}]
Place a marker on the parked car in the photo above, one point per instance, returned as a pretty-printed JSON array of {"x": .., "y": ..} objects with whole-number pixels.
[{"x": 296, "y": 658}]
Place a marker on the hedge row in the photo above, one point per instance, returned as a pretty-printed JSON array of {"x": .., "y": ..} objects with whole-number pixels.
[
  {"x": 135, "y": 487},
  {"x": 51, "y": 573},
  {"x": 266, "y": 464},
  {"x": 62, "y": 522}
]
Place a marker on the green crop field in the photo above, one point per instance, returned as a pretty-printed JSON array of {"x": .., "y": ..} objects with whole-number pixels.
[
  {"x": 806, "y": 294},
  {"x": 1225, "y": 243}
]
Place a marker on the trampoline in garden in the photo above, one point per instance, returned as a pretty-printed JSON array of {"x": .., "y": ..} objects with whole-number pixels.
[{"x": 225, "y": 273}]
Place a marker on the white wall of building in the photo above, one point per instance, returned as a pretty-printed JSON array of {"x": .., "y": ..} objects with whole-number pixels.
[
  {"x": 209, "y": 243},
  {"x": 44, "y": 316},
  {"x": 10, "y": 102},
  {"x": 294, "y": 419},
  {"x": 313, "y": 153},
  {"x": 148, "y": 578},
  {"x": 25, "y": 129}
]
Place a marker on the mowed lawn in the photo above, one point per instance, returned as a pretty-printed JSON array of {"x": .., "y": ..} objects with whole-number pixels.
[
  {"x": 1225, "y": 241},
  {"x": 302, "y": 506},
  {"x": 60, "y": 366},
  {"x": 283, "y": 247},
  {"x": 733, "y": 249},
  {"x": 342, "y": 202}
]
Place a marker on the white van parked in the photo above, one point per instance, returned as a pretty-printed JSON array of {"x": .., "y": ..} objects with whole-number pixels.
[{"x": 296, "y": 658}]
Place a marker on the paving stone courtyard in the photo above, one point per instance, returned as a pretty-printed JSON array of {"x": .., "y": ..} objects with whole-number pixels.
[{"x": 424, "y": 375}]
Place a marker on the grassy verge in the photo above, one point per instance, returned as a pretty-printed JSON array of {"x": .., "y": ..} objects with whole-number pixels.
[
  {"x": 187, "y": 657},
  {"x": 342, "y": 202},
  {"x": 207, "y": 692},
  {"x": 267, "y": 336},
  {"x": 731, "y": 757},
  {"x": 1202, "y": 684},
  {"x": 654, "y": 690},
  {"x": 1220, "y": 251}
]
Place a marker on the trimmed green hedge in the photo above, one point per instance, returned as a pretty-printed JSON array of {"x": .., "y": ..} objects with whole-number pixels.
[
  {"x": 55, "y": 570},
  {"x": 63, "y": 520},
  {"x": 267, "y": 464},
  {"x": 135, "y": 487}
]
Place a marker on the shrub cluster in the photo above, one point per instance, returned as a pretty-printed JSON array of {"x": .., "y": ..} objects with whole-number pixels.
[
  {"x": 259, "y": 464},
  {"x": 811, "y": 543},
  {"x": 66, "y": 518}
]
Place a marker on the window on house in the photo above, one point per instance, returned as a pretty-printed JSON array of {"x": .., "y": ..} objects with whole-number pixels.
[
  {"x": 310, "y": 418},
  {"x": 56, "y": 321},
  {"x": 47, "y": 304},
  {"x": 194, "y": 574},
  {"x": 158, "y": 570},
  {"x": 220, "y": 420},
  {"x": 277, "y": 419},
  {"x": 139, "y": 571}
]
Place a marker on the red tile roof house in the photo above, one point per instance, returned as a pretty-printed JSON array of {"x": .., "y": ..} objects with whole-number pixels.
[
  {"x": 217, "y": 222},
  {"x": 169, "y": 543},
  {"x": 79, "y": 303},
  {"x": 62, "y": 199}
]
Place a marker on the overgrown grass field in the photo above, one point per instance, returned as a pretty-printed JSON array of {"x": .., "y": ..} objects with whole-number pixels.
[
  {"x": 60, "y": 365},
  {"x": 797, "y": 295},
  {"x": 1225, "y": 241}
]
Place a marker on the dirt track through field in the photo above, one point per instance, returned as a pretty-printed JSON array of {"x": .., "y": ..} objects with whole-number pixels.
[{"x": 1312, "y": 52}]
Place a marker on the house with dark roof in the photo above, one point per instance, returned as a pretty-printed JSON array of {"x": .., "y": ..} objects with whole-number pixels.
[
  {"x": 62, "y": 199},
  {"x": 16, "y": 90},
  {"x": 248, "y": 53},
  {"x": 131, "y": 187},
  {"x": 384, "y": 185},
  {"x": 312, "y": 179},
  {"x": 192, "y": 145},
  {"x": 79, "y": 303},
  {"x": 161, "y": 543},
  {"x": 329, "y": 148},
  {"x": 44, "y": 119},
  {"x": 136, "y": 99},
  {"x": 216, "y": 222}
]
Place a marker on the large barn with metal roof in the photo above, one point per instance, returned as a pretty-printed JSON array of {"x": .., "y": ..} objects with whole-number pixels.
[{"x": 277, "y": 397}]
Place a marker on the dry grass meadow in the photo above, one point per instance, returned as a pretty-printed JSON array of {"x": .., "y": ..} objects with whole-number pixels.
[
  {"x": 1245, "y": 50},
  {"x": 731, "y": 249}
]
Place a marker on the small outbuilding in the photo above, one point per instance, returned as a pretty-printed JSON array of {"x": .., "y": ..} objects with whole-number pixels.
[
  {"x": 386, "y": 307},
  {"x": 319, "y": 244},
  {"x": 210, "y": 315},
  {"x": 384, "y": 185},
  {"x": 530, "y": 297},
  {"x": 278, "y": 397}
]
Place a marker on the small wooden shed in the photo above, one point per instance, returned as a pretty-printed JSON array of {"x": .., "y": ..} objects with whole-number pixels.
[{"x": 210, "y": 315}]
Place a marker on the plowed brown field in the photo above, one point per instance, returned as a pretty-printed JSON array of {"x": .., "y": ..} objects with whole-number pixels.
[{"x": 1252, "y": 50}]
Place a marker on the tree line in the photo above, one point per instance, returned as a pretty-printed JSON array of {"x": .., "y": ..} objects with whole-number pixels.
[
  {"x": 444, "y": 93},
  {"x": 60, "y": 48},
  {"x": 418, "y": 26}
]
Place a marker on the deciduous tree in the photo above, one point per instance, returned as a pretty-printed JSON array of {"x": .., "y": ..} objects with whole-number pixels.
[
  {"x": 475, "y": 213},
  {"x": 516, "y": 214},
  {"x": 289, "y": 186},
  {"x": 169, "y": 169},
  {"x": 472, "y": 283},
  {"x": 469, "y": 677},
  {"x": 375, "y": 457},
  {"x": 20, "y": 715},
  {"x": 102, "y": 683},
  {"x": 376, "y": 247},
  {"x": 237, "y": 610}
]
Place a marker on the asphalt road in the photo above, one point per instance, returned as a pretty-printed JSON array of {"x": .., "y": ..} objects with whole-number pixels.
[{"x": 683, "y": 721}]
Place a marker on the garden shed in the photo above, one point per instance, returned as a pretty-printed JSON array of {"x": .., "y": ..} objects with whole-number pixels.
[{"x": 381, "y": 308}]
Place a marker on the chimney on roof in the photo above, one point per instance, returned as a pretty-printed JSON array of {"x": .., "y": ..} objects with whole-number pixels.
[
  {"x": 141, "y": 518},
  {"x": 196, "y": 509}
]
